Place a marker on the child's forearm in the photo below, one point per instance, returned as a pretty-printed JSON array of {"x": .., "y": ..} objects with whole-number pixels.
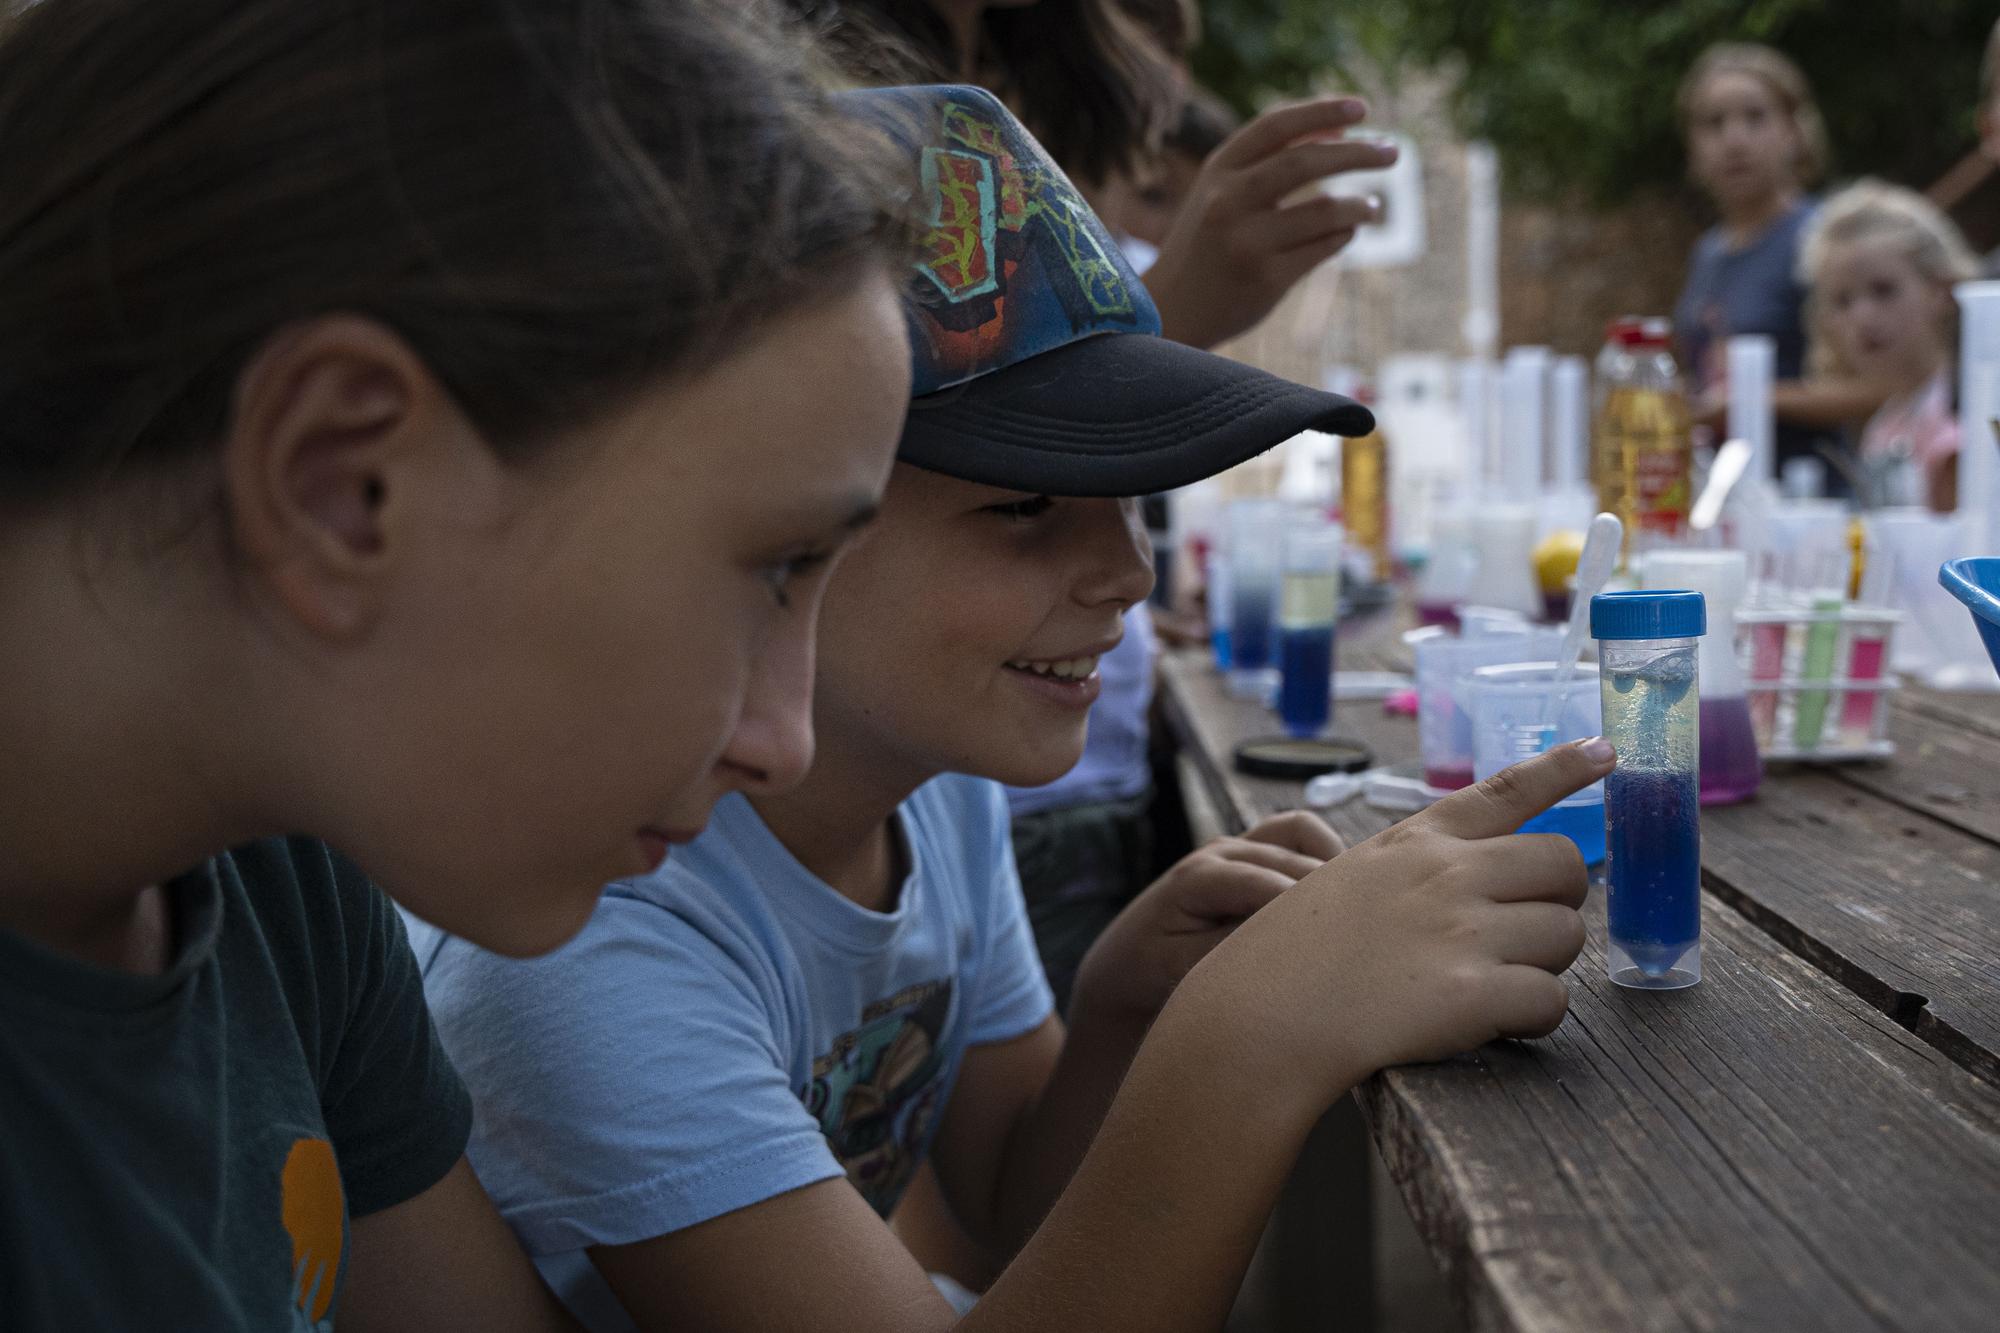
[
  {"x": 1826, "y": 402},
  {"x": 1159, "y": 1221},
  {"x": 1055, "y": 1132}
]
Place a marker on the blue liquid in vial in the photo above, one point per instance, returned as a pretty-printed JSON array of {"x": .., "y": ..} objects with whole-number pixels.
[
  {"x": 1582, "y": 824},
  {"x": 1219, "y": 639},
  {"x": 1654, "y": 902},
  {"x": 1305, "y": 691},
  {"x": 1250, "y": 628}
]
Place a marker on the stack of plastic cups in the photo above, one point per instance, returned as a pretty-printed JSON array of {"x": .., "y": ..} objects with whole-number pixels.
[
  {"x": 1509, "y": 706},
  {"x": 1649, "y": 688},
  {"x": 1504, "y": 537},
  {"x": 1308, "y": 607},
  {"x": 1570, "y": 501},
  {"x": 1256, "y": 546},
  {"x": 1730, "y": 767}
]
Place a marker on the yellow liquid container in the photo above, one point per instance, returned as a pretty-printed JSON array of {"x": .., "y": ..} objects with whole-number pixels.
[
  {"x": 1364, "y": 497},
  {"x": 1641, "y": 447}
]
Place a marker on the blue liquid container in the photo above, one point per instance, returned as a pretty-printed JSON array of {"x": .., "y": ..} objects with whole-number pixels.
[
  {"x": 1308, "y": 609},
  {"x": 1305, "y": 673},
  {"x": 1219, "y": 600},
  {"x": 1255, "y": 555},
  {"x": 1582, "y": 823},
  {"x": 1250, "y": 627},
  {"x": 1509, "y": 707},
  {"x": 1650, "y": 697}
]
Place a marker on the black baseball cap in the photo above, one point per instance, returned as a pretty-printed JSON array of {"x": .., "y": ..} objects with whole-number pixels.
[{"x": 1038, "y": 363}]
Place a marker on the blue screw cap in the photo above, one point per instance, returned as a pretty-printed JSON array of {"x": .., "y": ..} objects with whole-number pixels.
[{"x": 1648, "y": 615}]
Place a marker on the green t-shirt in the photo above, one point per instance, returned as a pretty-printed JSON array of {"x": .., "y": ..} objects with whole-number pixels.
[{"x": 185, "y": 1151}]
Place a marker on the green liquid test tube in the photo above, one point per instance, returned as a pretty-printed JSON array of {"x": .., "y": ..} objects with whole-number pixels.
[{"x": 1822, "y": 637}]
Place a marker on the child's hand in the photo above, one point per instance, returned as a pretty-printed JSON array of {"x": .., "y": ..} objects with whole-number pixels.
[
  {"x": 1428, "y": 939},
  {"x": 1139, "y": 959},
  {"x": 1233, "y": 251}
]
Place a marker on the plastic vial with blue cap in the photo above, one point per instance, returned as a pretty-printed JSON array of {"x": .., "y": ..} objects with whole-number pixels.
[{"x": 1648, "y": 646}]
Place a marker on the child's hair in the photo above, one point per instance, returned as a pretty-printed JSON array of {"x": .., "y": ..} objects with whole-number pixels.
[
  {"x": 1174, "y": 24},
  {"x": 1787, "y": 83},
  {"x": 1874, "y": 211},
  {"x": 1085, "y": 75},
  {"x": 555, "y": 203},
  {"x": 1204, "y": 123}
]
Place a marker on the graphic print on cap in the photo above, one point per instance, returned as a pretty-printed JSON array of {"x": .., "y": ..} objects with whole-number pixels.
[{"x": 1013, "y": 262}]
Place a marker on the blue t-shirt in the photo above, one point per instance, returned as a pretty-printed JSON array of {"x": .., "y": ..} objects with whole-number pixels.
[
  {"x": 731, "y": 1028},
  {"x": 1755, "y": 289}
]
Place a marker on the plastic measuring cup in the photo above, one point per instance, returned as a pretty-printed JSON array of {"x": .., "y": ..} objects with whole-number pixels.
[
  {"x": 1444, "y": 667},
  {"x": 1509, "y": 724}
]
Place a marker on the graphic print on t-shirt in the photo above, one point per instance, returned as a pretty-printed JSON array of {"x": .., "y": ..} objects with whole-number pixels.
[
  {"x": 876, "y": 1093},
  {"x": 315, "y": 1216}
]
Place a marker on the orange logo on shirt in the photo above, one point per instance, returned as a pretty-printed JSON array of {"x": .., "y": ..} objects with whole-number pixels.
[{"x": 314, "y": 1212}]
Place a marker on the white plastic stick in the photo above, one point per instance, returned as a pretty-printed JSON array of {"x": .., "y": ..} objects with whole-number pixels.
[
  {"x": 1593, "y": 567},
  {"x": 1475, "y": 409},
  {"x": 1752, "y": 360},
  {"x": 1569, "y": 388}
]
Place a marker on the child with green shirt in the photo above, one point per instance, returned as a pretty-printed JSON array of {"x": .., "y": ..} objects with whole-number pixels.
[{"x": 377, "y": 383}]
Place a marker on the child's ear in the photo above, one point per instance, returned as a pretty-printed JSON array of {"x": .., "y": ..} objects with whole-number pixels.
[{"x": 332, "y": 421}]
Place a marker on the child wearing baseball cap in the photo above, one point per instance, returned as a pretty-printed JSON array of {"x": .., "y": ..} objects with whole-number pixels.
[{"x": 701, "y": 1113}]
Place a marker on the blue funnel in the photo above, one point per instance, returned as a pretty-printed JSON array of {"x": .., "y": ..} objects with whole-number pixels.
[{"x": 1976, "y": 582}]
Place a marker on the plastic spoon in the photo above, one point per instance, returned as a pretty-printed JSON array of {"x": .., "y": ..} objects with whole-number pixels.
[
  {"x": 1593, "y": 567},
  {"x": 1723, "y": 474}
]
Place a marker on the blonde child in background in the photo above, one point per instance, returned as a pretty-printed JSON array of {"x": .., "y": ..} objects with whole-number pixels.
[{"x": 1880, "y": 261}]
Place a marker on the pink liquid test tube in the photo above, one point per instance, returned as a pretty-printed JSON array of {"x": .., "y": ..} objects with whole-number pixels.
[
  {"x": 1865, "y": 662},
  {"x": 1767, "y": 662}
]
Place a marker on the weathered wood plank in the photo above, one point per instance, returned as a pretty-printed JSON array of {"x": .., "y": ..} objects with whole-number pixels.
[
  {"x": 1900, "y": 907},
  {"x": 1973, "y": 712},
  {"x": 1765, "y": 1151},
  {"x": 1944, "y": 769}
]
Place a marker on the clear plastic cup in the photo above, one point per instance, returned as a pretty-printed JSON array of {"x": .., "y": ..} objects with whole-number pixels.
[{"x": 1444, "y": 669}]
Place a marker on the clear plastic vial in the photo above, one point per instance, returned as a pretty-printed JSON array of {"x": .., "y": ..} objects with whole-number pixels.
[{"x": 1648, "y": 669}]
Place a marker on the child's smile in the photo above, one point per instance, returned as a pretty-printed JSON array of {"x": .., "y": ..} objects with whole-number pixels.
[{"x": 1070, "y": 681}]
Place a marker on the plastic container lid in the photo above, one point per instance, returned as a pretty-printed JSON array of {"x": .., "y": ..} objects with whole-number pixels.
[
  {"x": 1676, "y": 614},
  {"x": 1721, "y": 575}
]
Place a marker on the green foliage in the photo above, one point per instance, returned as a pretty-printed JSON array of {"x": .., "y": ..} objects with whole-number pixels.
[{"x": 1580, "y": 93}]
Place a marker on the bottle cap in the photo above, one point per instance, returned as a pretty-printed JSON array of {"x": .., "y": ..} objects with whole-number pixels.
[{"x": 1648, "y": 615}]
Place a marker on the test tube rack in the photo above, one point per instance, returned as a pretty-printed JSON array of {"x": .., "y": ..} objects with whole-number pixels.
[{"x": 1817, "y": 681}]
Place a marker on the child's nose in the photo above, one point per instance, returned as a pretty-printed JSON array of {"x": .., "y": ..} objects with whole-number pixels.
[{"x": 772, "y": 746}]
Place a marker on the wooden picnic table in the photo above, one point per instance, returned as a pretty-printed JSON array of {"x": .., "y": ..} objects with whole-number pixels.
[{"x": 1809, "y": 1139}]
